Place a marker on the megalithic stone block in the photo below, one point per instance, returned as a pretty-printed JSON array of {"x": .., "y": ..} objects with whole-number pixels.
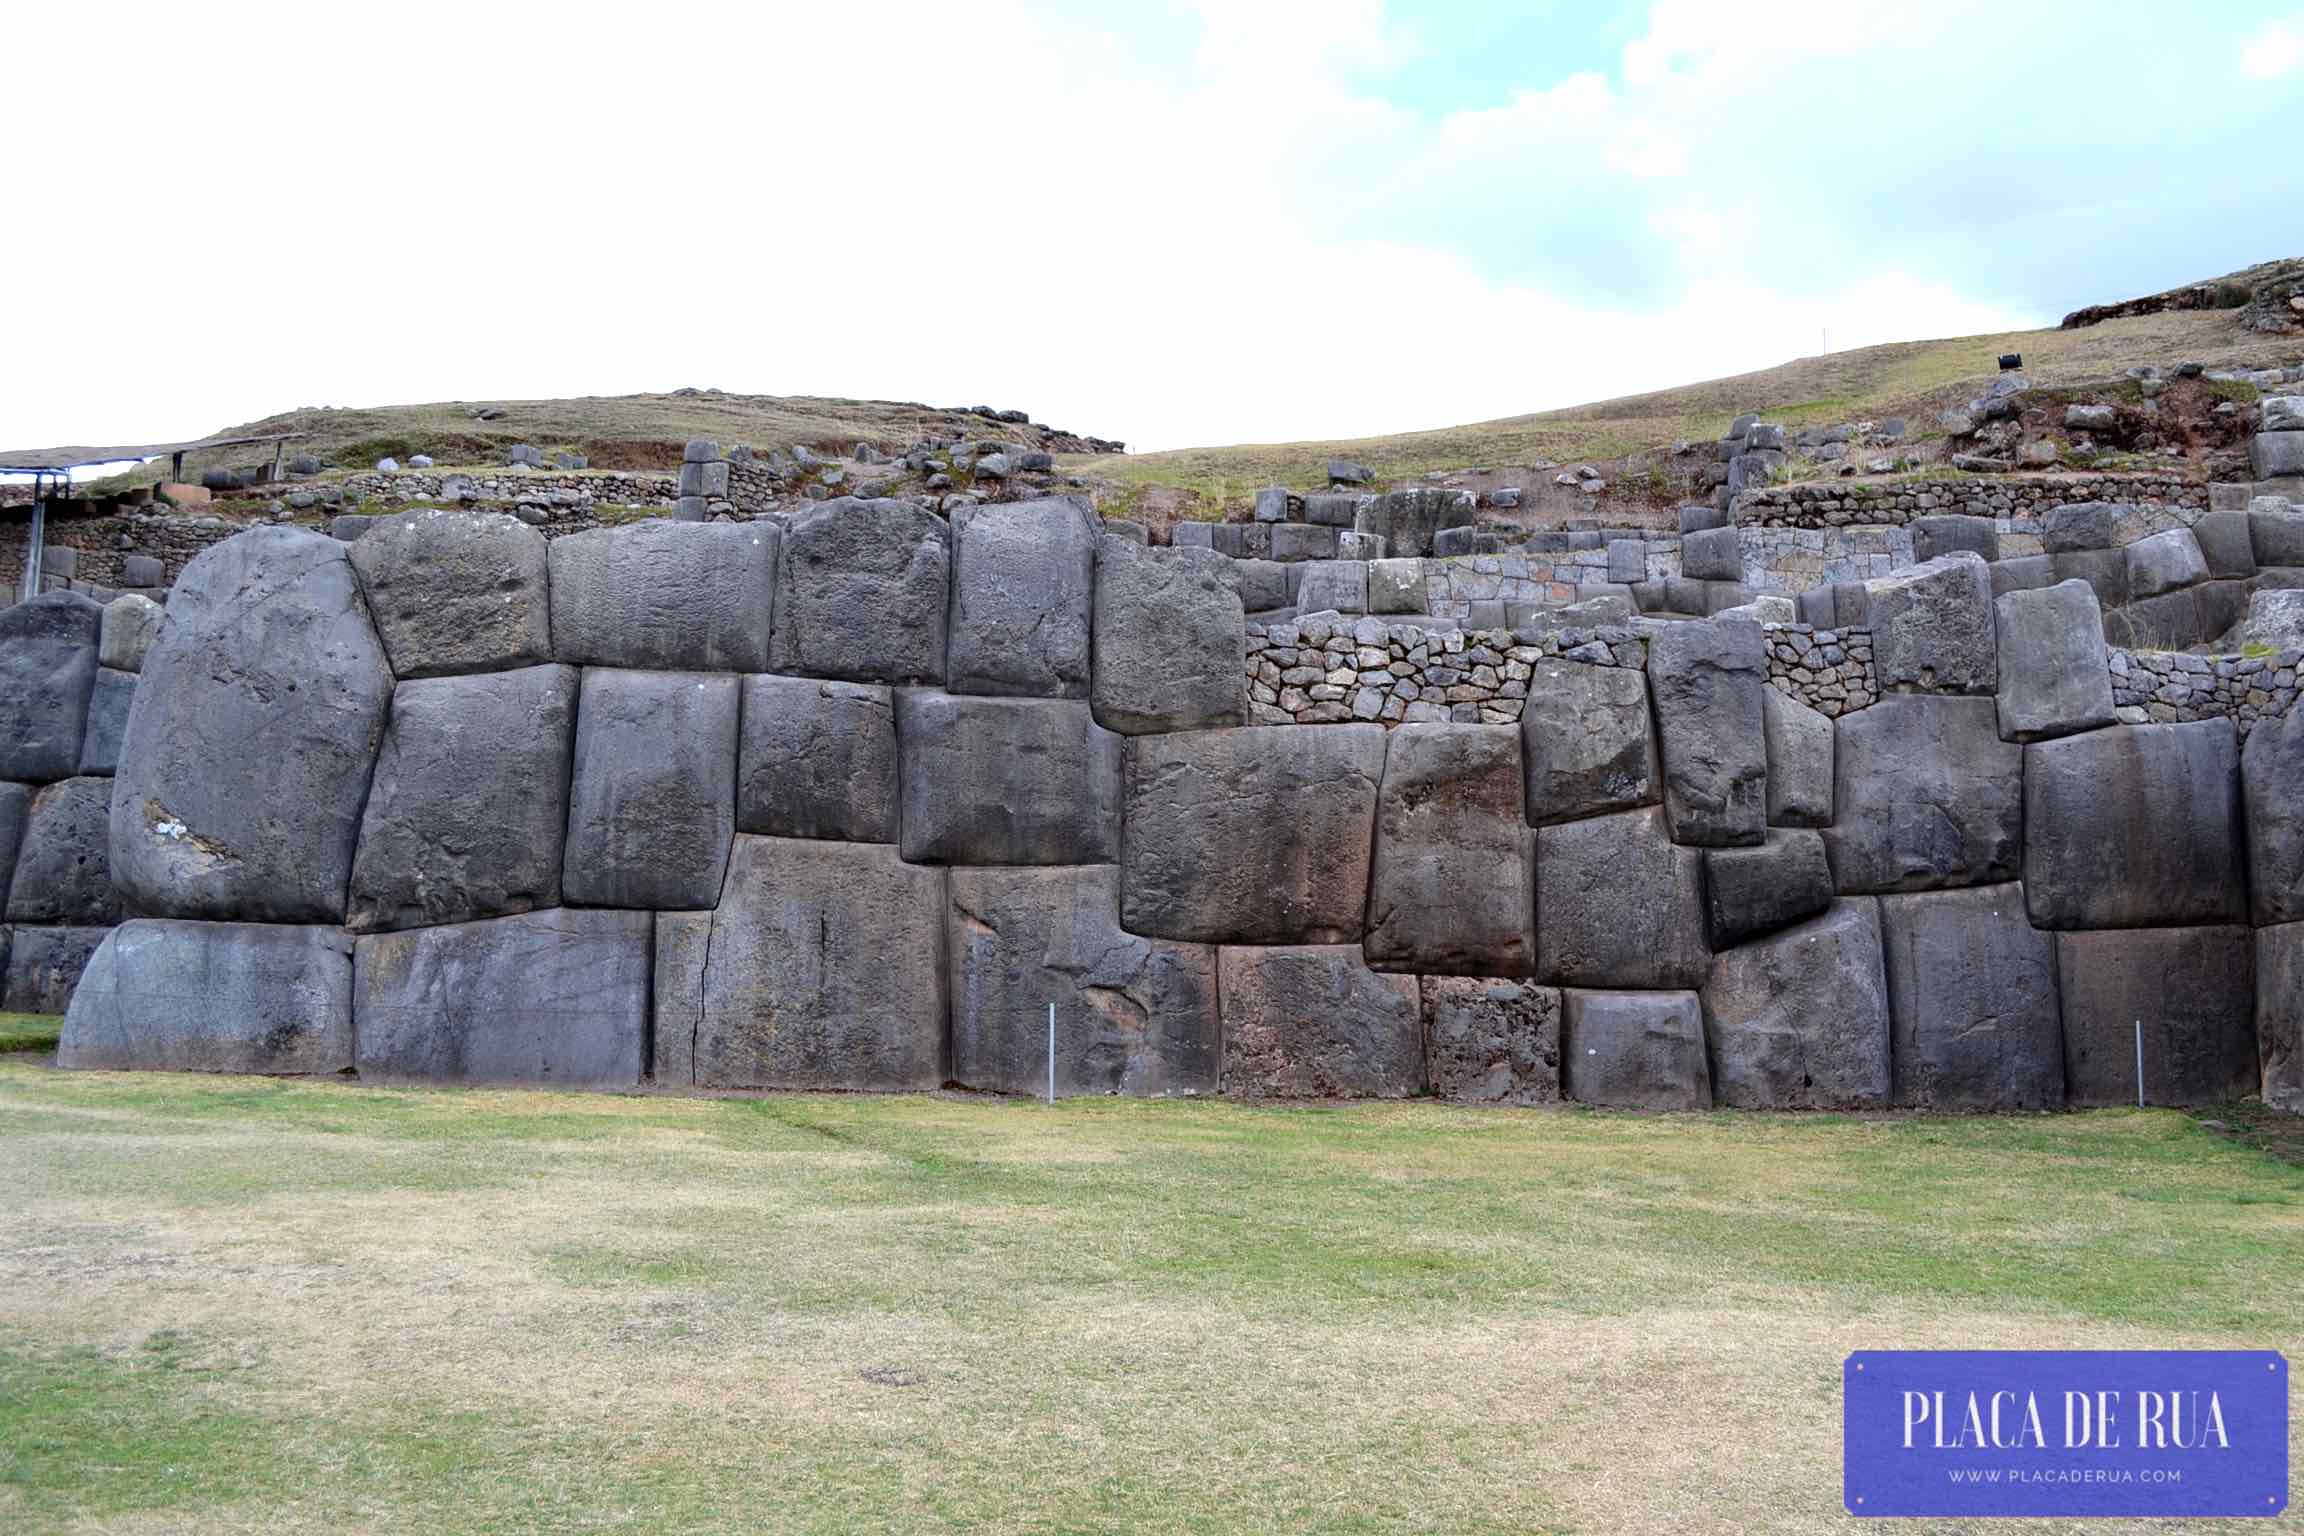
[
  {"x": 2185, "y": 998},
  {"x": 1933, "y": 628},
  {"x": 1133, "y": 1015},
  {"x": 1454, "y": 880},
  {"x": 44, "y": 966},
  {"x": 1752, "y": 891},
  {"x": 1619, "y": 905},
  {"x": 1491, "y": 1040},
  {"x": 2055, "y": 677},
  {"x": 1972, "y": 992},
  {"x": 556, "y": 998},
  {"x": 247, "y": 757},
  {"x": 64, "y": 866},
  {"x": 1312, "y": 1021},
  {"x": 1635, "y": 1050},
  {"x": 1800, "y": 758},
  {"x": 2165, "y": 562},
  {"x": 456, "y": 592},
  {"x": 1587, "y": 741},
  {"x": 162, "y": 995},
  {"x": 817, "y": 759},
  {"x": 15, "y": 810},
  {"x": 652, "y": 800},
  {"x": 2272, "y": 784},
  {"x": 2136, "y": 826},
  {"x": 1023, "y": 586},
  {"x": 1170, "y": 640},
  {"x": 661, "y": 595},
  {"x": 861, "y": 592},
  {"x": 1928, "y": 796},
  {"x": 1707, "y": 680},
  {"x": 1258, "y": 835},
  {"x": 469, "y": 807},
  {"x": 47, "y": 669},
  {"x": 129, "y": 626},
  {"x": 823, "y": 968},
  {"x": 107, "y": 727},
  {"x": 1006, "y": 781},
  {"x": 2280, "y": 1014},
  {"x": 1800, "y": 1019}
]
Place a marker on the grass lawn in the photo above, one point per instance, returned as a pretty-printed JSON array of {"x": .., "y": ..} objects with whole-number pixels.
[{"x": 234, "y": 1304}]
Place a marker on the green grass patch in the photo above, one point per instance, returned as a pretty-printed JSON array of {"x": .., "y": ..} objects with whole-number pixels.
[{"x": 30, "y": 1031}]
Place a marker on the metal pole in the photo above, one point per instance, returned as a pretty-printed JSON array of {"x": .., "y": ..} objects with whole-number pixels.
[
  {"x": 33, "y": 549},
  {"x": 2139, "y": 1063},
  {"x": 1051, "y": 1053}
]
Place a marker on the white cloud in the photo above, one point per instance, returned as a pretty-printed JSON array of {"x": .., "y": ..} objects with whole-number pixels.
[{"x": 2276, "y": 50}]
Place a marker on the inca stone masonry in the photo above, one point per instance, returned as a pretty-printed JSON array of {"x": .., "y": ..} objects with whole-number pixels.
[{"x": 845, "y": 800}]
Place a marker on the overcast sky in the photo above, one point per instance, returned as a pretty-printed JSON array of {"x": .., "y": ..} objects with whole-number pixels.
[{"x": 1170, "y": 222}]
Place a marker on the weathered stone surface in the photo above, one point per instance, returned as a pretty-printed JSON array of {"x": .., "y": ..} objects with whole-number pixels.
[
  {"x": 663, "y": 595},
  {"x": 2168, "y": 622},
  {"x": 107, "y": 724},
  {"x": 44, "y": 966},
  {"x": 1250, "y": 836},
  {"x": 2225, "y": 544},
  {"x": 652, "y": 801},
  {"x": 822, "y": 968},
  {"x": 1006, "y": 781},
  {"x": 1023, "y": 583},
  {"x": 1453, "y": 882},
  {"x": 2190, "y": 991},
  {"x": 1169, "y": 637},
  {"x": 817, "y": 759},
  {"x": 2081, "y": 525},
  {"x": 124, "y": 637},
  {"x": 1708, "y": 554},
  {"x": 1266, "y": 585},
  {"x": 1408, "y": 518},
  {"x": 2027, "y": 574},
  {"x": 1586, "y": 741},
  {"x": 2276, "y": 535},
  {"x": 1293, "y": 542},
  {"x": 1332, "y": 509},
  {"x": 2136, "y": 826},
  {"x": 558, "y": 997},
  {"x": 2272, "y": 618},
  {"x": 160, "y": 995},
  {"x": 1313, "y": 1022},
  {"x": 455, "y": 592},
  {"x": 1396, "y": 586},
  {"x": 214, "y": 815},
  {"x": 1711, "y": 721},
  {"x": 1800, "y": 757},
  {"x": 1635, "y": 1050},
  {"x": 2272, "y": 784},
  {"x": 15, "y": 810},
  {"x": 2105, "y": 571},
  {"x": 1133, "y": 1016},
  {"x": 47, "y": 667},
  {"x": 2053, "y": 677},
  {"x": 2273, "y": 454},
  {"x": 1752, "y": 891},
  {"x": 64, "y": 866},
  {"x": 2165, "y": 562},
  {"x": 2280, "y": 1014},
  {"x": 1928, "y": 796},
  {"x": 860, "y": 592},
  {"x": 1338, "y": 584},
  {"x": 1943, "y": 533},
  {"x": 1491, "y": 1040},
  {"x": 1972, "y": 992},
  {"x": 1932, "y": 627},
  {"x": 1619, "y": 904},
  {"x": 1800, "y": 1020},
  {"x": 470, "y": 800}
]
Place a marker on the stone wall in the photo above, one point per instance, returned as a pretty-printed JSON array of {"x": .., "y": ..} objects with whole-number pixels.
[
  {"x": 1836, "y": 504},
  {"x": 847, "y": 800},
  {"x": 102, "y": 546}
]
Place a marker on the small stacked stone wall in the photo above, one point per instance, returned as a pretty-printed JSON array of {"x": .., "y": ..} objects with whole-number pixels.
[
  {"x": 2164, "y": 686},
  {"x": 1829, "y": 504},
  {"x": 1828, "y": 670},
  {"x": 1326, "y": 669},
  {"x": 103, "y": 545}
]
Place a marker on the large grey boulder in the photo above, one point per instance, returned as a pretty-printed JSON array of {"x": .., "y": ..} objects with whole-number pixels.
[
  {"x": 823, "y": 968},
  {"x": 1587, "y": 741},
  {"x": 470, "y": 801},
  {"x": 47, "y": 667},
  {"x": 456, "y": 592},
  {"x": 2276, "y": 535},
  {"x": 1932, "y": 626},
  {"x": 107, "y": 726},
  {"x": 2165, "y": 562},
  {"x": 2024, "y": 574},
  {"x": 44, "y": 966},
  {"x": 2272, "y": 785},
  {"x": 817, "y": 759},
  {"x": 2280, "y": 1014},
  {"x": 1708, "y": 554},
  {"x": 64, "y": 865},
  {"x": 2082, "y": 525},
  {"x": 1133, "y": 1015},
  {"x": 2172, "y": 621},
  {"x": 2137, "y": 826},
  {"x": 1006, "y": 781},
  {"x": 1409, "y": 518},
  {"x": 124, "y": 636},
  {"x": 1711, "y": 720},
  {"x": 1266, "y": 585},
  {"x": 1313, "y": 1022},
  {"x": 1944, "y": 532},
  {"x": 1800, "y": 757},
  {"x": 2055, "y": 676},
  {"x": 1340, "y": 585},
  {"x": 1799, "y": 1020},
  {"x": 2274, "y": 620},
  {"x": 247, "y": 757},
  {"x": 1491, "y": 1040},
  {"x": 1170, "y": 640},
  {"x": 1635, "y": 1050},
  {"x": 1972, "y": 992},
  {"x": 1453, "y": 882},
  {"x": 1256, "y": 836},
  {"x": 1396, "y": 586},
  {"x": 1928, "y": 796},
  {"x": 1752, "y": 891},
  {"x": 1023, "y": 585},
  {"x": 1619, "y": 904},
  {"x": 557, "y": 998},
  {"x": 860, "y": 592},
  {"x": 2185, "y": 997},
  {"x": 1333, "y": 509},
  {"x": 660, "y": 595},
  {"x": 2105, "y": 571},
  {"x": 2225, "y": 544},
  {"x": 15, "y": 810},
  {"x": 2274, "y": 454},
  {"x": 160, "y": 995},
  {"x": 652, "y": 801}
]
